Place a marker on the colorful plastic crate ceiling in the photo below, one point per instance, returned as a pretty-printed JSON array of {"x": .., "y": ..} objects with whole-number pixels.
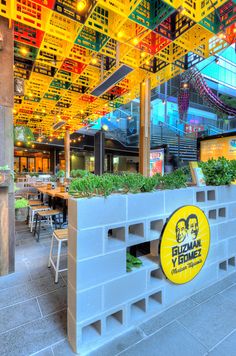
[{"x": 63, "y": 54}]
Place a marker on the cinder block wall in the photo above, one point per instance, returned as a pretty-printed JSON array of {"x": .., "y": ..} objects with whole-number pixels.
[{"x": 103, "y": 299}]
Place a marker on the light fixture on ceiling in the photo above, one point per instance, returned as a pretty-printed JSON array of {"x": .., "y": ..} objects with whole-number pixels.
[
  {"x": 24, "y": 51},
  {"x": 81, "y": 5},
  {"x": 135, "y": 41},
  {"x": 94, "y": 60},
  {"x": 105, "y": 127}
]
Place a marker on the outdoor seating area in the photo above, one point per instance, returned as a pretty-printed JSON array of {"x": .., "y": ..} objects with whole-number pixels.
[
  {"x": 47, "y": 214},
  {"x": 117, "y": 177}
]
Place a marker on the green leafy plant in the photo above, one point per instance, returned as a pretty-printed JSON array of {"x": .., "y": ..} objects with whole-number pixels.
[
  {"x": 174, "y": 180},
  {"x": 150, "y": 184},
  {"x": 219, "y": 171},
  {"x": 60, "y": 174},
  {"x": 132, "y": 262},
  {"x": 21, "y": 203},
  {"x": 132, "y": 182}
]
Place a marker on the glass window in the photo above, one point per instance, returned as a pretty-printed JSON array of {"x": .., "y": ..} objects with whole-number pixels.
[
  {"x": 23, "y": 164},
  {"x": 16, "y": 164},
  {"x": 45, "y": 165},
  {"x": 31, "y": 164},
  {"x": 39, "y": 164}
]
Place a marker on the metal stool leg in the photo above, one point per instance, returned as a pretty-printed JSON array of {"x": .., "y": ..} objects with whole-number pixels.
[
  {"x": 58, "y": 261},
  {"x": 50, "y": 253},
  {"x": 36, "y": 223},
  {"x": 39, "y": 229}
]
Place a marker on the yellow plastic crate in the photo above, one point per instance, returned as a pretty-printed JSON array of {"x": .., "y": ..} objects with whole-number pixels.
[
  {"x": 55, "y": 46},
  {"x": 62, "y": 27},
  {"x": 193, "y": 38},
  {"x": 171, "y": 53},
  {"x": 80, "y": 54},
  {"x": 31, "y": 14},
  {"x": 196, "y": 9}
]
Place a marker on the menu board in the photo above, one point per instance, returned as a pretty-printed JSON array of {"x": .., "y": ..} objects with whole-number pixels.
[
  {"x": 157, "y": 161},
  {"x": 219, "y": 147}
]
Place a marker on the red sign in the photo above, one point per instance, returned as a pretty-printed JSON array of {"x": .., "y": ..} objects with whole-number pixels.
[{"x": 192, "y": 129}]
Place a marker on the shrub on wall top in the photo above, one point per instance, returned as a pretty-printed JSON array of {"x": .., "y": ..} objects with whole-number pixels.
[{"x": 219, "y": 172}]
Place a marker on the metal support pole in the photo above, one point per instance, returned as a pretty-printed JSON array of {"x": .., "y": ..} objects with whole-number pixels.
[
  {"x": 67, "y": 152},
  {"x": 144, "y": 134},
  {"x": 99, "y": 152}
]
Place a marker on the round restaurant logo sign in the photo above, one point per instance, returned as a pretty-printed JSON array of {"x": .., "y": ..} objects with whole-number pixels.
[{"x": 184, "y": 244}]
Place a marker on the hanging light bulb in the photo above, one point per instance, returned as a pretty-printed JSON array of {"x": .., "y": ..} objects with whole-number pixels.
[
  {"x": 81, "y": 5},
  {"x": 120, "y": 34},
  {"x": 24, "y": 51},
  {"x": 129, "y": 117},
  {"x": 143, "y": 54},
  {"x": 217, "y": 61},
  {"x": 163, "y": 102},
  {"x": 135, "y": 41},
  {"x": 105, "y": 127},
  {"x": 94, "y": 60}
]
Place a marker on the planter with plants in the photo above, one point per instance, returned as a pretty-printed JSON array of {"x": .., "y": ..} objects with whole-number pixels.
[
  {"x": 21, "y": 209},
  {"x": 61, "y": 176},
  {"x": 115, "y": 229},
  {"x": 5, "y": 175}
]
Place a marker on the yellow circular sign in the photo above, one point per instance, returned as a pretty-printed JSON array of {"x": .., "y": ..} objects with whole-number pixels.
[{"x": 184, "y": 244}]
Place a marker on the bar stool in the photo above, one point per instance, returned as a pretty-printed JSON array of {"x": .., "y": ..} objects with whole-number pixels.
[
  {"x": 31, "y": 204},
  {"x": 60, "y": 235},
  {"x": 47, "y": 215},
  {"x": 33, "y": 211}
]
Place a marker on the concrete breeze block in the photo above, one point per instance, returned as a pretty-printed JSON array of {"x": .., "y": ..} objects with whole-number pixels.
[
  {"x": 145, "y": 205},
  {"x": 92, "y": 271},
  {"x": 78, "y": 242},
  {"x": 176, "y": 198},
  {"x": 85, "y": 304},
  {"x": 97, "y": 211},
  {"x": 127, "y": 287}
]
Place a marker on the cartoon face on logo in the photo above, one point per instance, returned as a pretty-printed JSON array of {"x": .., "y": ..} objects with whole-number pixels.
[
  {"x": 181, "y": 230},
  {"x": 192, "y": 226}
]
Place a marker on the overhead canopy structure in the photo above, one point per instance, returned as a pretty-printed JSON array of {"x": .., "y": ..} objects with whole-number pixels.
[{"x": 81, "y": 59}]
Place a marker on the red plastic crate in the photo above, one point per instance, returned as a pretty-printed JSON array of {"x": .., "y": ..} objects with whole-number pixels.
[
  {"x": 88, "y": 98},
  {"x": 117, "y": 91},
  {"x": 72, "y": 66},
  {"x": 153, "y": 43},
  {"x": 47, "y": 3},
  {"x": 28, "y": 35}
]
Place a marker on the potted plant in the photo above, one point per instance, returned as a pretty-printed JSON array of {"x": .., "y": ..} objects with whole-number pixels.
[
  {"x": 61, "y": 175},
  {"x": 5, "y": 174},
  {"x": 21, "y": 208}
]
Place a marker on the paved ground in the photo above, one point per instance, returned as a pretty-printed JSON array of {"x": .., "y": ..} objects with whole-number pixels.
[{"x": 33, "y": 315}]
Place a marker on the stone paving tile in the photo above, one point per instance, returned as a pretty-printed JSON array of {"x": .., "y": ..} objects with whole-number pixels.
[
  {"x": 63, "y": 349},
  {"x": 119, "y": 343},
  {"x": 172, "y": 340},
  {"x": 18, "y": 314},
  {"x": 29, "y": 290},
  {"x": 34, "y": 336},
  {"x": 166, "y": 317},
  {"x": 54, "y": 301},
  {"x": 211, "y": 321},
  {"x": 226, "y": 347},
  {"x": 46, "y": 352},
  {"x": 14, "y": 279},
  {"x": 230, "y": 293},
  {"x": 209, "y": 292}
]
